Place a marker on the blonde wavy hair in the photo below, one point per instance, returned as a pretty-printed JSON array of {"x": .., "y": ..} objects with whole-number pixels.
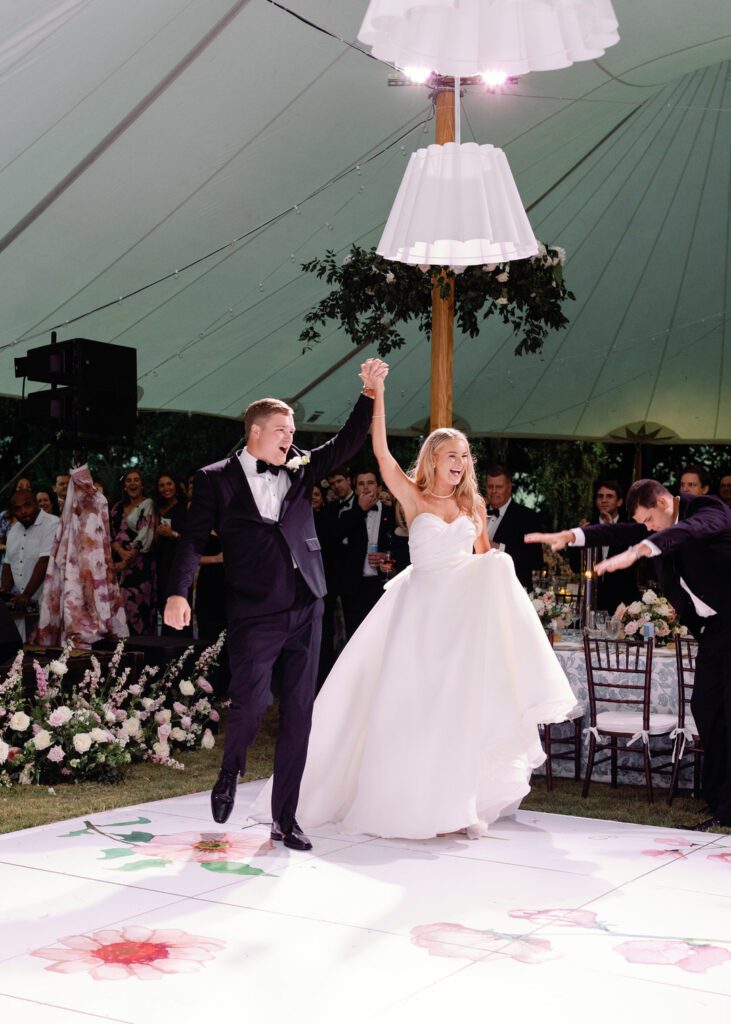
[{"x": 423, "y": 473}]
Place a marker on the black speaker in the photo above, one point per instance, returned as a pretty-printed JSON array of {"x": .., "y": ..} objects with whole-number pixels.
[{"x": 98, "y": 400}]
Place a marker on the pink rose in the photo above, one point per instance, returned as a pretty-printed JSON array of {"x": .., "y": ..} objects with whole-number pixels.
[
  {"x": 56, "y": 754},
  {"x": 186, "y": 721},
  {"x": 214, "y": 715},
  {"x": 204, "y": 685},
  {"x": 163, "y": 731},
  {"x": 179, "y": 708}
]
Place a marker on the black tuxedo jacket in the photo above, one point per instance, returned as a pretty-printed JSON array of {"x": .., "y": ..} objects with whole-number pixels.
[
  {"x": 257, "y": 552},
  {"x": 512, "y": 527},
  {"x": 697, "y": 548},
  {"x": 352, "y": 526}
]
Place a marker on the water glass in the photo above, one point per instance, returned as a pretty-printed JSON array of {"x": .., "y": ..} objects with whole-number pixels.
[
  {"x": 601, "y": 622},
  {"x": 614, "y": 627}
]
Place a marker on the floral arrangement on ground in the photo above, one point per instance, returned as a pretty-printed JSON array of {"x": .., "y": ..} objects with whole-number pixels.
[
  {"x": 654, "y": 611},
  {"x": 94, "y": 729},
  {"x": 370, "y": 296}
]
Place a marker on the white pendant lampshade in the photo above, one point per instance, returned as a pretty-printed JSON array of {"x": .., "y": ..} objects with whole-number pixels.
[
  {"x": 468, "y": 37},
  {"x": 457, "y": 206}
]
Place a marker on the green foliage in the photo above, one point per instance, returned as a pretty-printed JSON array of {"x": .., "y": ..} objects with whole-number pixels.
[{"x": 371, "y": 296}]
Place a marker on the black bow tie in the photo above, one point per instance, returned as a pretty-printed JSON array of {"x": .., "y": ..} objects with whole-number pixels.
[
  {"x": 374, "y": 508},
  {"x": 266, "y": 467},
  {"x": 494, "y": 512}
]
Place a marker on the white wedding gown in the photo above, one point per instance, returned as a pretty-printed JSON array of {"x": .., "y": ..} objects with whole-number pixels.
[{"x": 428, "y": 722}]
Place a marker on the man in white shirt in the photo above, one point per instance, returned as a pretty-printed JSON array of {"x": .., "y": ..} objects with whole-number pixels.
[
  {"x": 29, "y": 545},
  {"x": 689, "y": 539}
]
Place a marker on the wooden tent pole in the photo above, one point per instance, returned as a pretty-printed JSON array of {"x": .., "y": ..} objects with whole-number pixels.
[{"x": 442, "y": 340}]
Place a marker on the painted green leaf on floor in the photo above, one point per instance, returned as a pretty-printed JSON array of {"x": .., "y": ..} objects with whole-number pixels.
[
  {"x": 79, "y": 832},
  {"x": 135, "y": 837},
  {"x": 140, "y": 865},
  {"x": 227, "y": 867},
  {"x": 116, "y": 852}
]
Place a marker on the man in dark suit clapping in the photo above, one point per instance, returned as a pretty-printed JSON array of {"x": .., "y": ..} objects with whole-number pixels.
[
  {"x": 368, "y": 529},
  {"x": 689, "y": 540},
  {"x": 508, "y": 522}
]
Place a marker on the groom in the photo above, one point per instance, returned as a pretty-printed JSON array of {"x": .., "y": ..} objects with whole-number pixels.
[
  {"x": 259, "y": 503},
  {"x": 689, "y": 539}
]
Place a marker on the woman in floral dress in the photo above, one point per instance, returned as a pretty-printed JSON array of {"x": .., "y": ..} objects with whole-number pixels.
[{"x": 132, "y": 522}]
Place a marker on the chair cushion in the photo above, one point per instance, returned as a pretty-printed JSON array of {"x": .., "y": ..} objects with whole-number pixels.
[{"x": 631, "y": 721}]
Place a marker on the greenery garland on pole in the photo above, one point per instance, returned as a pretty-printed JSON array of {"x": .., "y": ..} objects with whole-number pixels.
[{"x": 371, "y": 297}]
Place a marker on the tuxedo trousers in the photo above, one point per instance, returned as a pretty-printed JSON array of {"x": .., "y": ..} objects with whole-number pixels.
[
  {"x": 286, "y": 643},
  {"x": 711, "y": 707}
]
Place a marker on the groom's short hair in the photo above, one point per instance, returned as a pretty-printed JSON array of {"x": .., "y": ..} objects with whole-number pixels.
[
  {"x": 260, "y": 411},
  {"x": 646, "y": 493}
]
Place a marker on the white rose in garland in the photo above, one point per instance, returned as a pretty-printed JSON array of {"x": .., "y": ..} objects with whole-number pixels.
[
  {"x": 19, "y": 722},
  {"x": 42, "y": 740},
  {"x": 186, "y": 688},
  {"x": 82, "y": 742},
  {"x": 100, "y": 735},
  {"x": 4, "y": 751}
]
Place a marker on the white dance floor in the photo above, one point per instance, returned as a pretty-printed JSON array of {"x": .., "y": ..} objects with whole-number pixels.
[{"x": 153, "y": 914}]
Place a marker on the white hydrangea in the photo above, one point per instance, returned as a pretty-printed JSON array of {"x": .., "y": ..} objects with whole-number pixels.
[{"x": 132, "y": 727}]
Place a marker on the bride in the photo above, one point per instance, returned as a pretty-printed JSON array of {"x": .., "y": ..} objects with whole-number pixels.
[{"x": 428, "y": 722}]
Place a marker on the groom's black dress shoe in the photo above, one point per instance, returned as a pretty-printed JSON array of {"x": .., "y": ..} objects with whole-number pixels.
[
  {"x": 292, "y": 837},
  {"x": 223, "y": 796}
]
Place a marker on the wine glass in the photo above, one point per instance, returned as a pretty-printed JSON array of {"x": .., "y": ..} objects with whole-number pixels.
[
  {"x": 386, "y": 565},
  {"x": 601, "y": 622}
]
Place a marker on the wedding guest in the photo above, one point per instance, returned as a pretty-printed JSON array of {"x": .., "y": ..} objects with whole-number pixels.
[
  {"x": 617, "y": 587},
  {"x": 508, "y": 522},
  {"x": 688, "y": 538},
  {"x": 171, "y": 517},
  {"x": 47, "y": 501},
  {"x": 24, "y": 484},
  {"x": 368, "y": 528},
  {"x": 60, "y": 486},
  {"x": 29, "y": 545},
  {"x": 385, "y": 496},
  {"x": 318, "y": 498},
  {"x": 132, "y": 522},
  {"x": 332, "y": 545},
  {"x": 695, "y": 480},
  {"x": 724, "y": 489}
]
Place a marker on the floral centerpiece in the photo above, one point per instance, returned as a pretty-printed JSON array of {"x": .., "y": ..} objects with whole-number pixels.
[
  {"x": 553, "y": 614},
  {"x": 96, "y": 728},
  {"x": 651, "y": 610},
  {"x": 370, "y": 297}
]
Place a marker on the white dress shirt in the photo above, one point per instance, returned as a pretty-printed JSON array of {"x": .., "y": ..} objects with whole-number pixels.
[
  {"x": 494, "y": 521},
  {"x": 373, "y": 528},
  {"x": 267, "y": 488},
  {"x": 26, "y": 545}
]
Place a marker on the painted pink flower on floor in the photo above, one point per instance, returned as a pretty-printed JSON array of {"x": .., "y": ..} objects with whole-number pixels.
[
  {"x": 725, "y": 857},
  {"x": 134, "y": 952},
  {"x": 207, "y": 847},
  {"x": 692, "y": 957},
  {"x": 566, "y": 918},
  {"x": 677, "y": 848},
  {"x": 454, "y": 940}
]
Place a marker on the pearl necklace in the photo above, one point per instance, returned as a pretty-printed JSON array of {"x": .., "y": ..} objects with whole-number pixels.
[{"x": 442, "y": 496}]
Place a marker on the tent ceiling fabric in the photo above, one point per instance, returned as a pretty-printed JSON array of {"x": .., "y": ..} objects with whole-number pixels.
[{"x": 130, "y": 153}]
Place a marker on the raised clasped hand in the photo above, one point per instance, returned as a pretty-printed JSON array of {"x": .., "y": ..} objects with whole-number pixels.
[{"x": 373, "y": 373}]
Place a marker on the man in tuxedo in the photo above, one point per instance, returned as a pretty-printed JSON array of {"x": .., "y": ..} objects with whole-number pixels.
[
  {"x": 724, "y": 489},
  {"x": 259, "y": 503},
  {"x": 618, "y": 587},
  {"x": 508, "y": 522},
  {"x": 689, "y": 539},
  {"x": 332, "y": 557},
  {"x": 368, "y": 529}
]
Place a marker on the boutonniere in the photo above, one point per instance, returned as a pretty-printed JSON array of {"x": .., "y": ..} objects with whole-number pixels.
[{"x": 297, "y": 462}]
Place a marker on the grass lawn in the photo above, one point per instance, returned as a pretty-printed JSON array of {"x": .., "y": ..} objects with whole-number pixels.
[{"x": 26, "y": 806}]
